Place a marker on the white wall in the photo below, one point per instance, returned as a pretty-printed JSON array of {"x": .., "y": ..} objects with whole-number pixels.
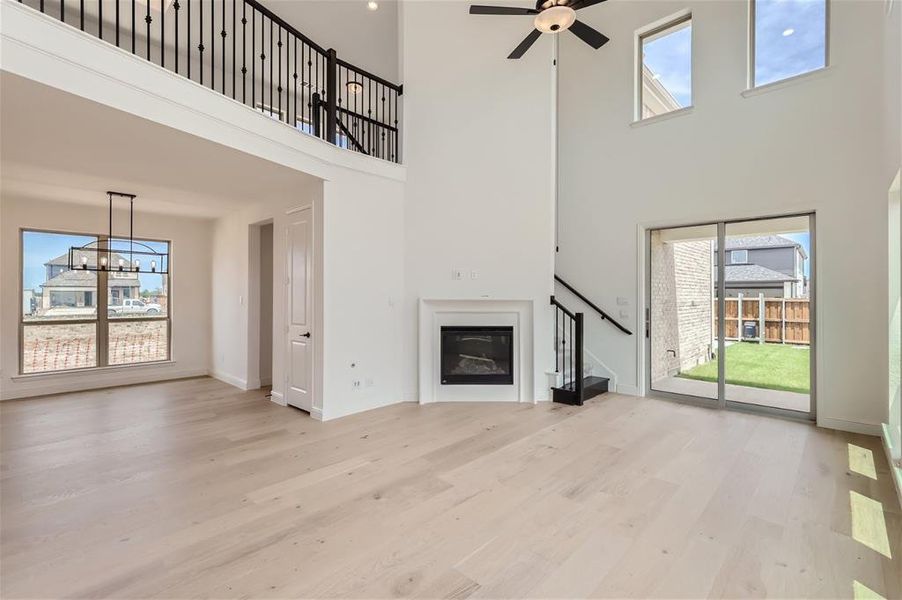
[
  {"x": 478, "y": 151},
  {"x": 190, "y": 293},
  {"x": 359, "y": 232},
  {"x": 814, "y": 144},
  {"x": 367, "y": 39}
]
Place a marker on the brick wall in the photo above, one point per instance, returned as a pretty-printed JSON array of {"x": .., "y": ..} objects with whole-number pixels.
[{"x": 681, "y": 291}]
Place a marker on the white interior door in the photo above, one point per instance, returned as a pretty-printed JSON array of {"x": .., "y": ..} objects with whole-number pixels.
[{"x": 299, "y": 284}]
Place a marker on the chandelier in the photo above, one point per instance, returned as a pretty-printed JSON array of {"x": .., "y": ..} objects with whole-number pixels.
[{"x": 118, "y": 254}]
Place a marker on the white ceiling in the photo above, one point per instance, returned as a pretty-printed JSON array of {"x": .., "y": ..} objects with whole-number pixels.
[{"x": 57, "y": 146}]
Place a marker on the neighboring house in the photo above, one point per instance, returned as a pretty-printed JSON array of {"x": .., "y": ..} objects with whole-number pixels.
[
  {"x": 656, "y": 100},
  {"x": 70, "y": 292},
  {"x": 770, "y": 264}
]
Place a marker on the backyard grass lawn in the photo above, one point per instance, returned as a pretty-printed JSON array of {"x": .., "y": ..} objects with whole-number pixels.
[{"x": 769, "y": 366}]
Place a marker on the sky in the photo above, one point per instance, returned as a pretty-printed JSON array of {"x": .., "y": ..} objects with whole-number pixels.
[
  {"x": 39, "y": 248},
  {"x": 789, "y": 40}
]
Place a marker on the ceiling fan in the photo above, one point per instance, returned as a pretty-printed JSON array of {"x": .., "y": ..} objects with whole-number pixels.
[{"x": 551, "y": 16}]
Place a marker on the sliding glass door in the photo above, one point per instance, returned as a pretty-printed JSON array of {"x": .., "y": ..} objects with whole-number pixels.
[{"x": 730, "y": 314}]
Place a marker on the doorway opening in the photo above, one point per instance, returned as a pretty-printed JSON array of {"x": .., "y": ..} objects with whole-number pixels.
[
  {"x": 730, "y": 314},
  {"x": 266, "y": 297}
]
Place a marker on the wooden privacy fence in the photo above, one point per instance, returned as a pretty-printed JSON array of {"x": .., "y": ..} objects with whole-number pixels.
[{"x": 783, "y": 320}]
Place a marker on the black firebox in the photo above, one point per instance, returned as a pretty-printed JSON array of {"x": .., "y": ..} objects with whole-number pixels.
[{"x": 477, "y": 355}]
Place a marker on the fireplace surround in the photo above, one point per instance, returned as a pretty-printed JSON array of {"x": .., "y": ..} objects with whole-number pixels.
[
  {"x": 477, "y": 355},
  {"x": 491, "y": 313}
]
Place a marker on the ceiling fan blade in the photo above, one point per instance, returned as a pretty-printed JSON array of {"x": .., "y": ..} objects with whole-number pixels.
[
  {"x": 501, "y": 10},
  {"x": 589, "y": 35},
  {"x": 578, "y": 4},
  {"x": 525, "y": 44}
]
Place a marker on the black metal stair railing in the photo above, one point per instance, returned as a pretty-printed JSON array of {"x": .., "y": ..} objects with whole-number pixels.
[
  {"x": 243, "y": 50},
  {"x": 568, "y": 336}
]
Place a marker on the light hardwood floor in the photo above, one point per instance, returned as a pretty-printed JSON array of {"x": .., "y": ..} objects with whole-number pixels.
[{"x": 193, "y": 489}]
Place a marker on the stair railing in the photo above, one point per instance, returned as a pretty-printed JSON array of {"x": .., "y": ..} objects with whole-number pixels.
[
  {"x": 241, "y": 49},
  {"x": 605, "y": 316},
  {"x": 568, "y": 333}
]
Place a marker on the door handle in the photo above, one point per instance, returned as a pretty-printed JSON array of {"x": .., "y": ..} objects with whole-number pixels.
[{"x": 306, "y": 335}]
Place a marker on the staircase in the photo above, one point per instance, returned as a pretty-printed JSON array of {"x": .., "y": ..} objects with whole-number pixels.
[{"x": 576, "y": 383}]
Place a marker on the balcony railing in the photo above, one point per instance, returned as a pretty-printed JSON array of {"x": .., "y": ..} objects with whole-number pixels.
[{"x": 243, "y": 50}]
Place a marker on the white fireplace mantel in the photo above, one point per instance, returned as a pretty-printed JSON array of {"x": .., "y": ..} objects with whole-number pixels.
[{"x": 435, "y": 312}]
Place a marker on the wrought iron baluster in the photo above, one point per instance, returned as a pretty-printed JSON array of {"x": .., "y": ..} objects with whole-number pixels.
[{"x": 200, "y": 45}]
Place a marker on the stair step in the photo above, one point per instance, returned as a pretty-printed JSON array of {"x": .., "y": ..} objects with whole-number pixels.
[{"x": 592, "y": 386}]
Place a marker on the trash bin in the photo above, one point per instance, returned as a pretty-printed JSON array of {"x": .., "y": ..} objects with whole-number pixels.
[{"x": 749, "y": 330}]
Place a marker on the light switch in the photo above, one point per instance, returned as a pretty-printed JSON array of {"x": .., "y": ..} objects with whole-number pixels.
[
  {"x": 621, "y": 301},
  {"x": 457, "y": 274}
]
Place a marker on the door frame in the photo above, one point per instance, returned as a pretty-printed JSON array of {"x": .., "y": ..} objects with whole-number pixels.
[{"x": 721, "y": 401}]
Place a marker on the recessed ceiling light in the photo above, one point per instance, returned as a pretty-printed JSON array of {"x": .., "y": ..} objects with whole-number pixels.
[
  {"x": 788, "y": 32},
  {"x": 372, "y": 5}
]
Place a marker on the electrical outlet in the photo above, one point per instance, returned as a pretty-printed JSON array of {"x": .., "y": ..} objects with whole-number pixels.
[
  {"x": 356, "y": 384},
  {"x": 621, "y": 301},
  {"x": 474, "y": 274}
]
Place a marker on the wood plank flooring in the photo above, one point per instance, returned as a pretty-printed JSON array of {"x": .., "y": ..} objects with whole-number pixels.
[{"x": 194, "y": 489}]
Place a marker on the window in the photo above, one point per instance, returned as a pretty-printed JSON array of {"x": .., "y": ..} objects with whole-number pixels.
[
  {"x": 739, "y": 257},
  {"x": 78, "y": 319},
  {"x": 789, "y": 38},
  {"x": 665, "y": 68}
]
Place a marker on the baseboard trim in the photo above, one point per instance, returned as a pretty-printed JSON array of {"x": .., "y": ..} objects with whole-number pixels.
[
  {"x": 265, "y": 381},
  {"x": 316, "y": 413},
  {"x": 229, "y": 379},
  {"x": 626, "y": 390},
  {"x": 895, "y": 472},
  {"x": 850, "y": 426},
  {"x": 278, "y": 398}
]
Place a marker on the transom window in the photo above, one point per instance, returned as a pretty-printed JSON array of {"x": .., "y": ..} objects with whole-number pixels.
[
  {"x": 665, "y": 68},
  {"x": 788, "y": 38},
  {"x": 79, "y": 319}
]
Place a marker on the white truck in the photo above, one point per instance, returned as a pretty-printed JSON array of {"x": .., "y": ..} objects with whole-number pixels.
[{"x": 135, "y": 307}]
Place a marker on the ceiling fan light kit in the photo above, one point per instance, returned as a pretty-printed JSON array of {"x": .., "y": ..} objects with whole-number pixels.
[
  {"x": 550, "y": 16},
  {"x": 555, "y": 19}
]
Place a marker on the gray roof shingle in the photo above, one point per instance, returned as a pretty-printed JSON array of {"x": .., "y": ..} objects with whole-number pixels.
[
  {"x": 762, "y": 241},
  {"x": 754, "y": 274}
]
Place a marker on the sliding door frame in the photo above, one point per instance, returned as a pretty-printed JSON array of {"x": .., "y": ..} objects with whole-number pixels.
[{"x": 721, "y": 400}]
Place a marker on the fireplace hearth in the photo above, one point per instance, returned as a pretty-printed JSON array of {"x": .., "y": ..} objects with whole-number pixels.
[{"x": 472, "y": 355}]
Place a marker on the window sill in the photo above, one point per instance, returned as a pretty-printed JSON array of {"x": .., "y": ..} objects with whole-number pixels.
[
  {"x": 91, "y": 370},
  {"x": 789, "y": 81},
  {"x": 665, "y": 117}
]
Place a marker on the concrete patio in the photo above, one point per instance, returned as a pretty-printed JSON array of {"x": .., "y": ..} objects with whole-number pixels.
[{"x": 736, "y": 393}]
